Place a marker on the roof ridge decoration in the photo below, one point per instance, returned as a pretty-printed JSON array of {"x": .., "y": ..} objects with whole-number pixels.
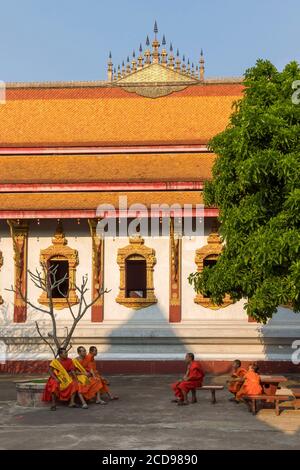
[{"x": 155, "y": 72}]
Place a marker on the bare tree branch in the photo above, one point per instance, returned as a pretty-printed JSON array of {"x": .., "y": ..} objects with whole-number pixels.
[{"x": 44, "y": 339}]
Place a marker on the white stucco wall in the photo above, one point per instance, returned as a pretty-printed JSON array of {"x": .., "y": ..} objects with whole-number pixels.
[{"x": 146, "y": 333}]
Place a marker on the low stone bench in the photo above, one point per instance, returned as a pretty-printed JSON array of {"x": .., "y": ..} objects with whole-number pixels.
[
  {"x": 213, "y": 389},
  {"x": 29, "y": 394},
  {"x": 277, "y": 399}
]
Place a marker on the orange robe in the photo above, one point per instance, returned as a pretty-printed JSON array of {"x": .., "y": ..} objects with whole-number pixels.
[
  {"x": 195, "y": 376},
  {"x": 234, "y": 387},
  {"x": 89, "y": 364},
  {"x": 251, "y": 385},
  {"x": 90, "y": 389},
  {"x": 52, "y": 386}
]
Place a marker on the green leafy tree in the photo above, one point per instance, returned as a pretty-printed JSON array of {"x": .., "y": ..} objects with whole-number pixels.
[{"x": 256, "y": 186}]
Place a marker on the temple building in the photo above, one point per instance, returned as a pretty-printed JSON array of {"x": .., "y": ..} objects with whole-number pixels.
[{"x": 74, "y": 155}]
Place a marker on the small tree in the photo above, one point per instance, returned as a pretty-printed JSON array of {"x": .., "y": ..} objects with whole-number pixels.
[
  {"x": 48, "y": 281},
  {"x": 256, "y": 186}
]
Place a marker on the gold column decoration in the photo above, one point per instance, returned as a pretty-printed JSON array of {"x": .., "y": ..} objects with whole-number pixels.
[
  {"x": 1, "y": 264},
  {"x": 209, "y": 252},
  {"x": 175, "y": 275},
  {"x": 136, "y": 250},
  {"x": 59, "y": 251},
  {"x": 19, "y": 235},
  {"x": 98, "y": 271}
]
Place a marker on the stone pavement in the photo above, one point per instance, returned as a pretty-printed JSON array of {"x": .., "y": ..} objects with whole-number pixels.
[{"x": 144, "y": 418}]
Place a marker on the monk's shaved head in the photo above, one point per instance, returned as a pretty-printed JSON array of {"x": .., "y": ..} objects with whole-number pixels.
[{"x": 237, "y": 363}]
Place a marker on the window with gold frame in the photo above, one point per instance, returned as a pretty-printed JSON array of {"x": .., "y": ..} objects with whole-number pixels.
[
  {"x": 66, "y": 260},
  {"x": 135, "y": 260},
  {"x": 207, "y": 256}
]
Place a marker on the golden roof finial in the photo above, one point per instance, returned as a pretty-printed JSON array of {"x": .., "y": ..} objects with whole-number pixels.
[
  {"x": 188, "y": 68},
  {"x": 109, "y": 68},
  {"x": 155, "y": 46},
  {"x": 183, "y": 67},
  {"x": 119, "y": 72},
  {"x": 201, "y": 61},
  {"x": 140, "y": 58},
  {"x": 164, "y": 53},
  {"x": 123, "y": 69},
  {"x": 171, "y": 57},
  {"x": 147, "y": 52},
  {"x": 133, "y": 62},
  {"x": 178, "y": 61},
  {"x": 128, "y": 68}
]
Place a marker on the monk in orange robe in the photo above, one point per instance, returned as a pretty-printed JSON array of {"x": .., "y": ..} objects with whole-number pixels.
[
  {"x": 89, "y": 364},
  {"x": 237, "y": 374},
  {"x": 251, "y": 383},
  {"x": 89, "y": 386},
  {"x": 62, "y": 383},
  {"x": 192, "y": 379}
]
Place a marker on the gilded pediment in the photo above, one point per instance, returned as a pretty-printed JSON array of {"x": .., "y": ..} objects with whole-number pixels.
[{"x": 156, "y": 73}]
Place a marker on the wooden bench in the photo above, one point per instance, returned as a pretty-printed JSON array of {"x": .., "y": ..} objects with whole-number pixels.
[
  {"x": 267, "y": 398},
  {"x": 213, "y": 389}
]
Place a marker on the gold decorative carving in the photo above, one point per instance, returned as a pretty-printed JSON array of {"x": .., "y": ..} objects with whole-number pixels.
[
  {"x": 152, "y": 91},
  {"x": 175, "y": 254},
  {"x": 19, "y": 235},
  {"x": 136, "y": 250},
  {"x": 211, "y": 251},
  {"x": 154, "y": 73},
  {"x": 97, "y": 262},
  {"x": 60, "y": 251},
  {"x": 1, "y": 264}
]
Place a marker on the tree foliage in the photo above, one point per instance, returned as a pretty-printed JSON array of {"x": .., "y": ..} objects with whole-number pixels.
[{"x": 256, "y": 186}]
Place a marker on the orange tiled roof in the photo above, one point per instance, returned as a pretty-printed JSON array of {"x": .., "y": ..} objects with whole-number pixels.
[
  {"x": 87, "y": 201},
  {"x": 109, "y": 168},
  {"x": 109, "y": 115}
]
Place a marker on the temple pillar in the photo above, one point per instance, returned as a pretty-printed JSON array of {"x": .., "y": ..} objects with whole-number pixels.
[
  {"x": 175, "y": 275},
  {"x": 19, "y": 235},
  {"x": 97, "y": 271}
]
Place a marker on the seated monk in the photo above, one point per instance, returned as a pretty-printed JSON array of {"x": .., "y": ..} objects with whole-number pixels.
[
  {"x": 62, "y": 383},
  {"x": 89, "y": 364},
  {"x": 251, "y": 383},
  {"x": 89, "y": 387},
  {"x": 237, "y": 374},
  {"x": 192, "y": 379}
]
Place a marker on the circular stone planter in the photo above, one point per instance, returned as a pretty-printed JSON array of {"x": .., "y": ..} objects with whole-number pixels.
[{"x": 29, "y": 394}]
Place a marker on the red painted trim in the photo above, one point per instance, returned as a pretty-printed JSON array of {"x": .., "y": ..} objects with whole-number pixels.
[
  {"x": 103, "y": 186},
  {"x": 151, "y": 367},
  {"x": 20, "y": 313},
  {"x": 97, "y": 314},
  {"x": 81, "y": 150},
  {"x": 174, "y": 313},
  {"x": 89, "y": 213}
]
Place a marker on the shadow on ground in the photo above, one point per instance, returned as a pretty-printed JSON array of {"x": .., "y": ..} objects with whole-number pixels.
[{"x": 144, "y": 418}]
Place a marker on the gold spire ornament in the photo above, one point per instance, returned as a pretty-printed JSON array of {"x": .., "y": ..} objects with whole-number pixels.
[
  {"x": 164, "y": 53},
  {"x": 171, "y": 57},
  {"x": 155, "y": 46},
  {"x": 201, "y": 61},
  {"x": 109, "y": 69},
  {"x": 140, "y": 58}
]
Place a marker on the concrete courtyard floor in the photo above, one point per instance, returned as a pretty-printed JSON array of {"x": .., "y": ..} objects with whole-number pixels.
[{"x": 144, "y": 418}]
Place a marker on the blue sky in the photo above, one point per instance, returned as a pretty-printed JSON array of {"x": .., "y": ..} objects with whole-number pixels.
[{"x": 44, "y": 40}]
